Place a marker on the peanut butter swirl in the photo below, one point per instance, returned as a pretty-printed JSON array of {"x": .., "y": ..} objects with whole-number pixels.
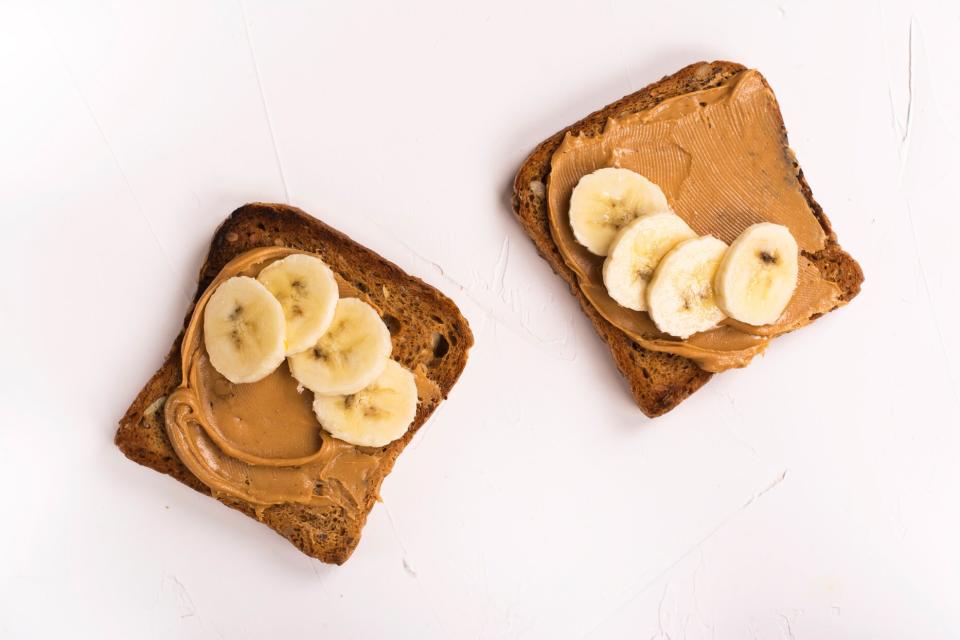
[
  {"x": 261, "y": 441},
  {"x": 721, "y": 158}
]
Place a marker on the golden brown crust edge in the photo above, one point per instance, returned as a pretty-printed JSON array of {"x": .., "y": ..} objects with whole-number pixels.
[
  {"x": 428, "y": 330},
  {"x": 658, "y": 381}
]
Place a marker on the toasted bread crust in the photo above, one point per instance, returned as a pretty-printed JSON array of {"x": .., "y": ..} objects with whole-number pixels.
[
  {"x": 428, "y": 331},
  {"x": 658, "y": 381}
]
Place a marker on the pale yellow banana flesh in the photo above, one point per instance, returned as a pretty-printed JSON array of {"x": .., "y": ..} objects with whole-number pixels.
[
  {"x": 374, "y": 416},
  {"x": 606, "y": 200},
  {"x": 680, "y": 296},
  {"x": 758, "y": 275},
  {"x": 244, "y": 330},
  {"x": 308, "y": 293},
  {"x": 349, "y": 355},
  {"x": 636, "y": 251}
]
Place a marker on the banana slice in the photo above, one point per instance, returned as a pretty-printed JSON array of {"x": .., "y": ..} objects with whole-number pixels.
[
  {"x": 374, "y": 416},
  {"x": 606, "y": 200},
  {"x": 758, "y": 275},
  {"x": 244, "y": 330},
  {"x": 308, "y": 293},
  {"x": 680, "y": 294},
  {"x": 349, "y": 355},
  {"x": 635, "y": 253}
]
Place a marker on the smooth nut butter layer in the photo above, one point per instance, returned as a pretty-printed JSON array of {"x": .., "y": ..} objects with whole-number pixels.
[
  {"x": 721, "y": 158},
  {"x": 261, "y": 441}
]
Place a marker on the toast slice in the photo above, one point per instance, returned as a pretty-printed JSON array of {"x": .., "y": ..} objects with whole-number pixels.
[
  {"x": 658, "y": 381},
  {"x": 428, "y": 332}
]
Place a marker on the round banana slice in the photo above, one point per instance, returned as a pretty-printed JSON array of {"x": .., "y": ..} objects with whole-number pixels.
[
  {"x": 635, "y": 253},
  {"x": 606, "y": 200},
  {"x": 349, "y": 355},
  {"x": 680, "y": 294},
  {"x": 374, "y": 416},
  {"x": 308, "y": 293},
  {"x": 244, "y": 330},
  {"x": 758, "y": 275}
]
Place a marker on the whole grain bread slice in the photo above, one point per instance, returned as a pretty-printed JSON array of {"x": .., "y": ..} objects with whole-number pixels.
[
  {"x": 658, "y": 381},
  {"x": 428, "y": 333}
]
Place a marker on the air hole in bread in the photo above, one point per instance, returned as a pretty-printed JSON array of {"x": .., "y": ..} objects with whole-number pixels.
[
  {"x": 362, "y": 287},
  {"x": 261, "y": 226},
  {"x": 440, "y": 345},
  {"x": 437, "y": 319},
  {"x": 393, "y": 324}
]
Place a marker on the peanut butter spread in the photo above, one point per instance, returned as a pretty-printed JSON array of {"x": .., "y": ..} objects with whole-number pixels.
[
  {"x": 261, "y": 442},
  {"x": 721, "y": 158}
]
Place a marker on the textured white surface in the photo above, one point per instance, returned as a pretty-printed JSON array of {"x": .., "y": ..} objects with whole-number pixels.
[{"x": 812, "y": 495}]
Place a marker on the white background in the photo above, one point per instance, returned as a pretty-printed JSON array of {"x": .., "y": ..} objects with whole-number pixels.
[{"x": 812, "y": 495}]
